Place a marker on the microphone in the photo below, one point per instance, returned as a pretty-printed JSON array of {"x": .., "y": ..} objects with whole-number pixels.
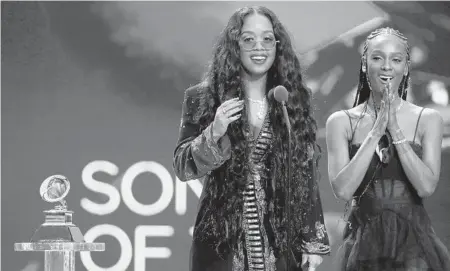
[{"x": 281, "y": 95}]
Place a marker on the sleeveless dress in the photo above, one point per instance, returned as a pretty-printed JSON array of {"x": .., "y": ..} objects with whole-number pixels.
[{"x": 388, "y": 227}]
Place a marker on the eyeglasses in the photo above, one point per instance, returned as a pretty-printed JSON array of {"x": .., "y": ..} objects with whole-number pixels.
[{"x": 249, "y": 43}]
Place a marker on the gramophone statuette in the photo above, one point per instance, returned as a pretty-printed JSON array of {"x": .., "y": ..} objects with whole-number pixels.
[
  {"x": 58, "y": 236},
  {"x": 58, "y": 226}
]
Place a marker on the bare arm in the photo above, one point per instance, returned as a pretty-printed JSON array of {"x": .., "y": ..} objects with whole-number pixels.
[
  {"x": 345, "y": 175},
  {"x": 423, "y": 173}
]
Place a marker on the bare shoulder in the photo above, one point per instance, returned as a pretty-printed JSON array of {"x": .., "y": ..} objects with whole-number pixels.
[
  {"x": 337, "y": 118},
  {"x": 429, "y": 116},
  {"x": 338, "y": 123},
  {"x": 356, "y": 112},
  {"x": 430, "y": 122}
]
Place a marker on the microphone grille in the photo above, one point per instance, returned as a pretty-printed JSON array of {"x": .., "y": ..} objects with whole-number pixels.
[{"x": 281, "y": 94}]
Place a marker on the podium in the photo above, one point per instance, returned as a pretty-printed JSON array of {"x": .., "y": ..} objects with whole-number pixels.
[{"x": 58, "y": 237}]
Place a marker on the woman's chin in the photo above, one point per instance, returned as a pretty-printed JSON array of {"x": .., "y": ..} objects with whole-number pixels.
[{"x": 257, "y": 72}]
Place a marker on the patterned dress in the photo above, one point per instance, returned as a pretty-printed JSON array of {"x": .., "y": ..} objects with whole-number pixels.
[
  {"x": 196, "y": 156},
  {"x": 259, "y": 253}
]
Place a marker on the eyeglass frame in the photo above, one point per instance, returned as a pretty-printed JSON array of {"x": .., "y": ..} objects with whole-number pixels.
[{"x": 255, "y": 42}]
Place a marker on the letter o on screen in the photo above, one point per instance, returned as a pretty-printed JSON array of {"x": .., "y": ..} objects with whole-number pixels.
[
  {"x": 166, "y": 182},
  {"x": 126, "y": 247}
]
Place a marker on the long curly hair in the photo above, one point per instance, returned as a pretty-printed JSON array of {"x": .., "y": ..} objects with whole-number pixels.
[{"x": 223, "y": 81}]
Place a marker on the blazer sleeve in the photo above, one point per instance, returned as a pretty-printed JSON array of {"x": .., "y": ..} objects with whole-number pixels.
[
  {"x": 313, "y": 232},
  {"x": 197, "y": 153}
]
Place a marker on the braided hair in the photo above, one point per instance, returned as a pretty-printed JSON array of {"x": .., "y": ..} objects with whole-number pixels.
[{"x": 364, "y": 89}]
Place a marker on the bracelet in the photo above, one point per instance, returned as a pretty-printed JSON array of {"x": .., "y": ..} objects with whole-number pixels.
[{"x": 399, "y": 141}]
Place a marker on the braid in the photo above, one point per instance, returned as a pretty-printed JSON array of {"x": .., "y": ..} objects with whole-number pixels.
[
  {"x": 386, "y": 31},
  {"x": 363, "y": 87}
]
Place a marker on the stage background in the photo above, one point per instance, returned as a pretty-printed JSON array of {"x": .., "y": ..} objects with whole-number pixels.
[{"x": 93, "y": 91}]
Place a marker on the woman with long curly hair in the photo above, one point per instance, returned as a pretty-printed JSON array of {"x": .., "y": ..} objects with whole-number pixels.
[
  {"x": 236, "y": 138},
  {"x": 384, "y": 156}
]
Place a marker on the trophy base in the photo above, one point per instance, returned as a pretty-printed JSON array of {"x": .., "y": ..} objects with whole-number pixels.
[
  {"x": 57, "y": 233},
  {"x": 58, "y": 227},
  {"x": 58, "y": 237},
  {"x": 59, "y": 246},
  {"x": 59, "y": 256},
  {"x": 59, "y": 261}
]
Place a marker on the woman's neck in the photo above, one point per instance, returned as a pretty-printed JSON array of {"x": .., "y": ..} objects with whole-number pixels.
[
  {"x": 374, "y": 100},
  {"x": 254, "y": 86}
]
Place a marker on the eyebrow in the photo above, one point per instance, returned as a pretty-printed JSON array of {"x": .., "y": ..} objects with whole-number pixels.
[
  {"x": 251, "y": 32},
  {"x": 382, "y": 53}
]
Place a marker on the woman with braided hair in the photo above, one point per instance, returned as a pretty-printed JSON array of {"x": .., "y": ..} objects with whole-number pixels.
[
  {"x": 236, "y": 139},
  {"x": 384, "y": 156}
]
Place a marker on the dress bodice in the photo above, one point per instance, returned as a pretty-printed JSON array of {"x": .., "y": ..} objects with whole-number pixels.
[
  {"x": 385, "y": 184},
  {"x": 388, "y": 227},
  {"x": 388, "y": 186}
]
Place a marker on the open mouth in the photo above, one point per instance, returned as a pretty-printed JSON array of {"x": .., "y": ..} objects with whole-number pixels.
[
  {"x": 258, "y": 58},
  {"x": 385, "y": 78}
]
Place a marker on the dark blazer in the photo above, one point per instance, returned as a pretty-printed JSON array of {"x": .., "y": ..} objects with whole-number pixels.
[{"x": 198, "y": 156}]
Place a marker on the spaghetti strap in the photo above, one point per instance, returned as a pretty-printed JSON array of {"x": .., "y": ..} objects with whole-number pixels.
[
  {"x": 351, "y": 126},
  {"x": 348, "y": 114},
  {"x": 417, "y": 125}
]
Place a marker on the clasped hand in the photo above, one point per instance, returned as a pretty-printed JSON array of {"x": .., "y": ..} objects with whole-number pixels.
[{"x": 387, "y": 116}]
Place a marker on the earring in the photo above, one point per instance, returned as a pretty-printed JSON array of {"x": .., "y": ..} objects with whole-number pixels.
[
  {"x": 405, "y": 73},
  {"x": 368, "y": 83},
  {"x": 363, "y": 64},
  {"x": 409, "y": 85}
]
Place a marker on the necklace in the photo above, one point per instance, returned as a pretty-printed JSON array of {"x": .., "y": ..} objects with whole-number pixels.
[
  {"x": 262, "y": 106},
  {"x": 371, "y": 111}
]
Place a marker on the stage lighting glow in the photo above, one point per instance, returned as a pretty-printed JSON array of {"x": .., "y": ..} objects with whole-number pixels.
[
  {"x": 313, "y": 85},
  {"x": 418, "y": 55},
  {"x": 438, "y": 92}
]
